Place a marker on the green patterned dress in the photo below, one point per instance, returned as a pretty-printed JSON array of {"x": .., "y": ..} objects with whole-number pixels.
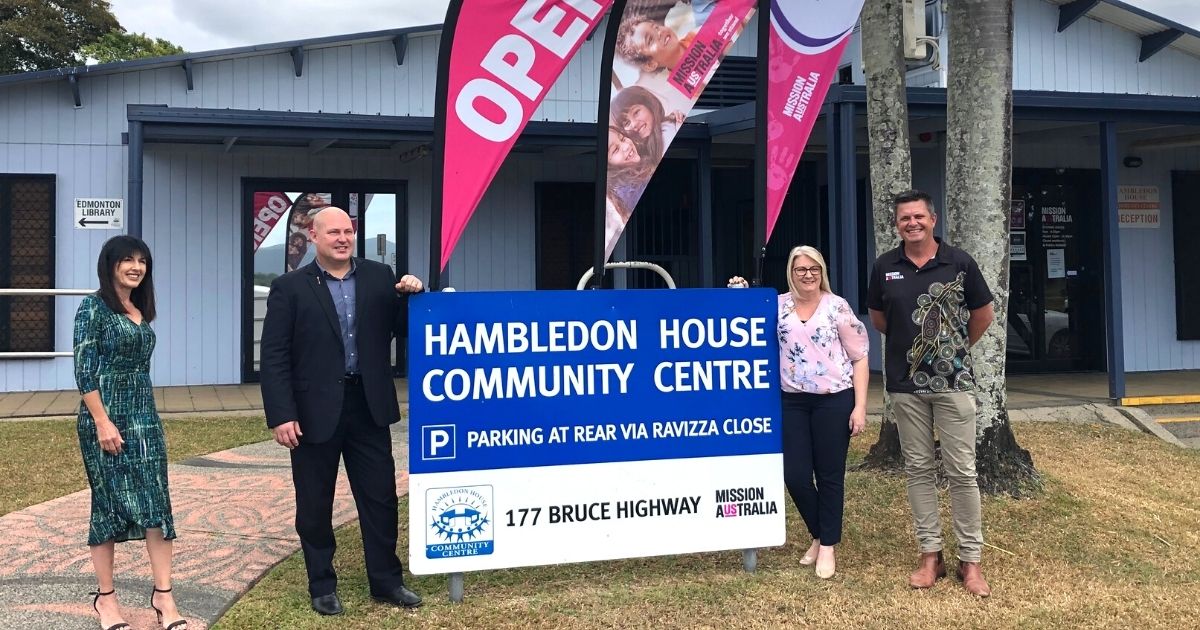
[{"x": 129, "y": 490}]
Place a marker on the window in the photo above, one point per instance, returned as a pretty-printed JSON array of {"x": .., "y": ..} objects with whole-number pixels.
[{"x": 27, "y": 262}]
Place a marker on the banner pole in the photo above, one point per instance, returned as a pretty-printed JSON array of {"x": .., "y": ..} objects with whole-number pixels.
[
  {"x": 602, "y": 114},
  {"x": 439, "y": 145},
  {"x": 760, "y": 138}
]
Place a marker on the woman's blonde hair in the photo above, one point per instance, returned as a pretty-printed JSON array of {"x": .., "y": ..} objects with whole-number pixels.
[{"x": 811, "y": 252}]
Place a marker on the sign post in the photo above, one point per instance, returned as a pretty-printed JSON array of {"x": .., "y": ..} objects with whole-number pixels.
[{"x": 570, "y": 426}]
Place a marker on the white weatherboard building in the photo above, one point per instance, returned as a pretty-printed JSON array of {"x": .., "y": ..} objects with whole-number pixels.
[{"x": 1107, "y": 129}]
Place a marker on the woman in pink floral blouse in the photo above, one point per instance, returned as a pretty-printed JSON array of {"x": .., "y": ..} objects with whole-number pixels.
[{"x": 824, "y": 372}]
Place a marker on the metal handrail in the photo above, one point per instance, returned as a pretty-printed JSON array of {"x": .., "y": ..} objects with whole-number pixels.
[
  {"x": 51, "y": 292},
  {"x": 633, "y": 264}
]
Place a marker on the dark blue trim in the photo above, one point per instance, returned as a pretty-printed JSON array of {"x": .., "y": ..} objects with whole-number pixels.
[
  {"x": 400, "y": 43},
  {"x": 298, "y": 60},
  {"x": 173, "y": 60},
  {"x": 1153, "y": 43},
  {"x": 187, "y": 73},
  {"x": 1069, "y": 13},
  {"x": 847, "y": 208},
  {"x": 1113, "y": 328},
  {"x": 708, "y": 271},
  {"x": 74, "y": 83},
  {"x": 133, "y": 218}
]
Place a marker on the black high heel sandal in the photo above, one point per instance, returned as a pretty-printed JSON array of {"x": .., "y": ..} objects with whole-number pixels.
[
  {"x": 182, "y": 623},
  {"x": 95, "y": 600}
]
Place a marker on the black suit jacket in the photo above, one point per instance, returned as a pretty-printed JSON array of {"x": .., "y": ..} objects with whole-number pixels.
[{"x": 303, "y": 358}]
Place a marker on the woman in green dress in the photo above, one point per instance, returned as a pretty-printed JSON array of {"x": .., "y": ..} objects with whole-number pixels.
[{"x": 120, "y": 433}]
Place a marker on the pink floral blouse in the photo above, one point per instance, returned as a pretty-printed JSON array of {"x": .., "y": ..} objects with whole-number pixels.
[{"x": 815, "y": 356}]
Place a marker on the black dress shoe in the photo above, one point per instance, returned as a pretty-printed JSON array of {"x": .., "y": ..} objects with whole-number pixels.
[
  {"x": 327, "y": 604},
  {"x": 399, "y": 596}
]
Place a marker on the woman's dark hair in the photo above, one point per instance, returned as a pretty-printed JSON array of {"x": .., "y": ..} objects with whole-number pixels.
[
  {"x": 115, "y": 250},
  {"x": 652, "y": 146}
]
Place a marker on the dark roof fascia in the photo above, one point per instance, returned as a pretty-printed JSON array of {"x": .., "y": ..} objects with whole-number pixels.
[
  {"x": 1169, "y": 24},
  {"x": 163, "y": 123},
  {"x": 176, "y": 60},
  {"x": 1047, "y": 105}
]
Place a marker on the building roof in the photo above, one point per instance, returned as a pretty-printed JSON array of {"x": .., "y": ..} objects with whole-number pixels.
[
  {"x": 1157, "y": 32},
  {"x": 397, "y": 36}
]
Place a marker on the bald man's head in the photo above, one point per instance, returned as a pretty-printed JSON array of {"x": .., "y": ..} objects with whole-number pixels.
[{"x": 332, "y": 233}]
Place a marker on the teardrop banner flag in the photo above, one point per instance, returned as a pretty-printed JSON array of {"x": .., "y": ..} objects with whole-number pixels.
[
  {"x": 497, "y": 61},
  {"x": 806, "y": 42},
  {"x": 666, "y": 52}
]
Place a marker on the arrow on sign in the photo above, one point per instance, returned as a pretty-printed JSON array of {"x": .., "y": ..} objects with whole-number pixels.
[{"x": 86, "y": 222}]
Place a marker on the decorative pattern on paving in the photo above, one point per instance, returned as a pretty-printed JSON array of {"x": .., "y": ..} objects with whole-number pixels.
[{"x": 234, "y": 523}]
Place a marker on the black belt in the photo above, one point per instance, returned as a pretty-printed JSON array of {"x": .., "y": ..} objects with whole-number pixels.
[{"x": 352, "y": 379}]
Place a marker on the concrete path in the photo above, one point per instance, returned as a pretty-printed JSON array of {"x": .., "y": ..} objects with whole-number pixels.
[
  {"x": 233, "y": 515},
  {"x": 1024, "y": 391}
]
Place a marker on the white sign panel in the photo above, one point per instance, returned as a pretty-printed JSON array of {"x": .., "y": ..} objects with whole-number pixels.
[
  {"x": 1056, "y": 263},
  {"x": 571, "y": 426},
  {"x": 99, "y": 214},
  {"x": 1138, "y": 206}
]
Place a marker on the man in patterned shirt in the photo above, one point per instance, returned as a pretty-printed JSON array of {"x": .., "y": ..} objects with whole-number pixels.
[{"x": 932, "y": 303}]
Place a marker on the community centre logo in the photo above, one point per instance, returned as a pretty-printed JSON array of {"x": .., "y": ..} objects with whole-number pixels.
[{"x": 460, "y": 522}]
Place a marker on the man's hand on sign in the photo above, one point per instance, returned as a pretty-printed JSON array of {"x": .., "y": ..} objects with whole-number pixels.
[
  {"x": 738, "y": 282},
  {"x": 409, "y": 284}
]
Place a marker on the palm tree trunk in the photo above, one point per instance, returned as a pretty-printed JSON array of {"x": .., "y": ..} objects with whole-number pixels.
[
  {"x": 891, "y": 162},
  {"x": 978, "y": 194}
]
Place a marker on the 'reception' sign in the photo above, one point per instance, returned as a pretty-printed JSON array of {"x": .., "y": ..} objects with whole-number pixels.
[{"x": 568, "y": 426}]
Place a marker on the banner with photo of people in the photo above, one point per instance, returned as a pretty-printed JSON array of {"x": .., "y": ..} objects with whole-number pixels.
[
  {"x": 300, "y": 218},
  {"x": 806, "y": 42},
  {"x": 666, "y": 52}
]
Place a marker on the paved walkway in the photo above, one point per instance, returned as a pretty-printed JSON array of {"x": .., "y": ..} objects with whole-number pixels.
[
  {"x": 234, "y": 509},
  {"x": 1024, "y": 391},
  {"x": 233, "y": 514}
]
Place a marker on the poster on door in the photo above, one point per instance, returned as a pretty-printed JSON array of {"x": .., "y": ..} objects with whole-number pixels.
[
  {"x": 1056, "y": 263},
  {"x": 1016, "y": 246}
]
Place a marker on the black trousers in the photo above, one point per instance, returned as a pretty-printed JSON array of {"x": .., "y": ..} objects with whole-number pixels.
[
  {"x": 367, "y": 449},
  {"x": 816, "y": 436}
]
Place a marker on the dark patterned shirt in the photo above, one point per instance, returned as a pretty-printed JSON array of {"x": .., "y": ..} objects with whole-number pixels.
[{"x": 927, "y": 310}]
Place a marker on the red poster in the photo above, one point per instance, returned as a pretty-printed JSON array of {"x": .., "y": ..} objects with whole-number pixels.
[
  {"x": 666, "y": 53},
  {"x": 269, "y": 207},
  {"x": 806, "y": 42},
  {"x": 504, "y": 57}
]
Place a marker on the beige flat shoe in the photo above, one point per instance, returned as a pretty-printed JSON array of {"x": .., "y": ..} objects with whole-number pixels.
[
  {"x": 810, "y": 556},
  {"x": 826, "y": 568}
]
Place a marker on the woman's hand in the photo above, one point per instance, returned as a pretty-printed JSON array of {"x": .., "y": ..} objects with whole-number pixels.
[
  {"x": 858, "y": 420},
  {"x": 738, "y": 282},
  {"x": 109, "y": 437}
]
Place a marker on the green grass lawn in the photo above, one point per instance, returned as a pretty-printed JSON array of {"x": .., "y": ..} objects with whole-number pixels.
[
  {"x": 1113, "y": 542},
  {"x": 44, "y": 461}
]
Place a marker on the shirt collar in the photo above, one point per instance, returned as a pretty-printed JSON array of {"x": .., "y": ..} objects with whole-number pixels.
[
  {"x": 937, "y": 256},
  {"x": 322, "y": 271}
]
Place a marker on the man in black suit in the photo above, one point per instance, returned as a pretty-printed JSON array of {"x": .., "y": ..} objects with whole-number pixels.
[{"x": 328, "y": 393}]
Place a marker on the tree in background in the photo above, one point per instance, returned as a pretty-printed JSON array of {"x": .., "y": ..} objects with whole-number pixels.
[
  {"x": 122, "y": 46},
  {"x": 891, "y": 162},
  {"x": 979, "y": 96},
  {"x": 48, "y": 34}
]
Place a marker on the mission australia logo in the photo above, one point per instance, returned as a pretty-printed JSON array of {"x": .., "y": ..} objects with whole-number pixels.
[
  {"x": 459, "y": 523},
  {"x": 733, "y": 502}
]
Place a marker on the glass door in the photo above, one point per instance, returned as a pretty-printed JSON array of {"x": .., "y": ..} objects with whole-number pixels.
[{"x": 278, "y": 214}]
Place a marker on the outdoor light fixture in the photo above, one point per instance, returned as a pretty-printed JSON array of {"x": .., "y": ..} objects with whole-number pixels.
[{"x": 1133, "y": 161}]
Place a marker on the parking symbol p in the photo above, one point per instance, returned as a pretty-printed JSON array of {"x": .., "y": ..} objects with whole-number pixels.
[{"x": 437, "y": 441}]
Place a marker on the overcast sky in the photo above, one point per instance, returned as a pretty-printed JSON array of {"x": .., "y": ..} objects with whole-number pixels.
[{"x": 200, "y": 25}]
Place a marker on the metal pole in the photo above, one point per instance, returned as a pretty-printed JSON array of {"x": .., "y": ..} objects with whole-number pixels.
[
  {"x": 456, "y": 588},
  {"x": 847, "y": 207},
  {"x": 750, "y": 560},
  {"x": 704, "y": 182},
  {"x": 1114, "y": 332}
]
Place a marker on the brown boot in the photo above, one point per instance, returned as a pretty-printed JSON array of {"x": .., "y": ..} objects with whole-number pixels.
[
  {"x": 972, "y": 579},
  {"x": 928, "y": 571}
]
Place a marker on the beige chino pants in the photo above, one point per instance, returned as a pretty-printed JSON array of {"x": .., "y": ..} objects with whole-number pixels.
[{"x": 953, "y": 415}]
